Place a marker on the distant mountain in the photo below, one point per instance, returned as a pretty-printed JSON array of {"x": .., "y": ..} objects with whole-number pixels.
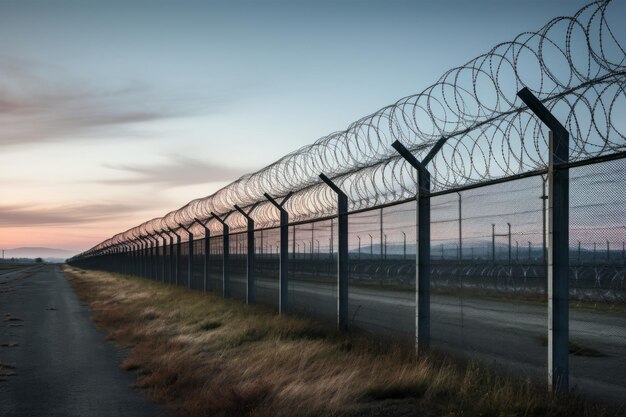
[{"x": 48, "y": 254}]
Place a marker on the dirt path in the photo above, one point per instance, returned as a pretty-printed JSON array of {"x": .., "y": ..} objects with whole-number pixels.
[{"x": 53, "y": 361}]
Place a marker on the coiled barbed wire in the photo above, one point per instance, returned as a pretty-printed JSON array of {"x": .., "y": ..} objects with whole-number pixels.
[{"x": 575, "y": 65}]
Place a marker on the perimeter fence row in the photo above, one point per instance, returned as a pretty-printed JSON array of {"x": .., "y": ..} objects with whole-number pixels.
[
  {"x": 488, "y": 272},
  {"x": 484, "y": 216}
]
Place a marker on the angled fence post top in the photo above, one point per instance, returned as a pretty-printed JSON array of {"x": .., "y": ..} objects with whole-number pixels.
[
  {"x": 276, "y": 204},
  {"x": 409, "y": 157},
  {"x": 539, "y": 109},
  {"x": 332, "y": 185},
  {"x": 560, "y": 153},
  {"x": 249, "y": 212},
  {"x": 186, "y": 229},
  {"x": 203, "y": 223},
  {"x": 420, "y": 167},
  {"x": 221, "y": 219}
]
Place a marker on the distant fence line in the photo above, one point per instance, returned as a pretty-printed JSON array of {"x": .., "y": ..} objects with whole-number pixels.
[{"x": 516, "y": 123}]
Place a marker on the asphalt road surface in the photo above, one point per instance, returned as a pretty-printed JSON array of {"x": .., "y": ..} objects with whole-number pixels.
[
  {"x": 62, "y": 365},
  {"x": 509, "y": 334}
]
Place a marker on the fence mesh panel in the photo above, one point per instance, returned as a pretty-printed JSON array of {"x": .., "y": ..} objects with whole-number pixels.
[
  {"x": 183, "y": 277},
  {"x": 266, "y": 266},
  {"x": 488, "y": 300},
  {"x": 197, "y": 278},
  {"x": 238, "y": 243},
  {"x": 597, "y": 278},
  {"x": 313, "y": 269},
  {"x": 216, "y": 265},
  {"x": 382, "y": 270}
]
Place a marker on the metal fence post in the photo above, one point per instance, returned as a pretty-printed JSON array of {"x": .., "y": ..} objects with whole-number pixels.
[
  {"x": 493, "y": 242},
  {"x": 126, "y": 251},
  {"x": 133, "y": 257},
  {"x": 283, "y": 282},
  {"x": 225, "y": 254},
  {"x": 189, "y": 255},
  {"x": 112, "y": 261},
  {"x": 144, "y": 257},
  {"x": 460, "y": 227},
  {"x": 343, "y": 262},
  {"x": 137, "y": 256},
  {"x": 125, "y": 258},
  {"x": 130, "y": 246},
  {"x": 170, "y": 264},
  {"x": 207, "y": 252},
  {"x": 121, "y": 255},
  {"x": 137, "y": 261},
  {"x": 558, "y": 244},
  {"x": 160, "y": 234},
  {"x": 154, "y": 256},
  {"x": 422, "y": 280},
  {"x": 177, "y": 259},
  {"x": 250, "y": 284},
  {"x": 148, "y": 259},
  {"x": 122, "y": 258}
]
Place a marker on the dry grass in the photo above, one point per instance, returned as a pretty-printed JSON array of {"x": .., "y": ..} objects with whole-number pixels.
[{"x": 200, "y": 355}]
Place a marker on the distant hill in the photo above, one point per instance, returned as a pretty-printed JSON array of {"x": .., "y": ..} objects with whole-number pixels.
[{"x": 48, "y": 254}]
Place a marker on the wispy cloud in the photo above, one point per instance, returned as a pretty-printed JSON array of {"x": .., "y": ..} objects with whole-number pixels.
[
  {"x": 41, "y": 103},
  {"x": 28, "y": 215},
  {"x": 176, "y": 170}
]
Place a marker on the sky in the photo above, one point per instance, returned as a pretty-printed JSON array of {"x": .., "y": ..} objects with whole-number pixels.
[{"x": 112, "y": 113}]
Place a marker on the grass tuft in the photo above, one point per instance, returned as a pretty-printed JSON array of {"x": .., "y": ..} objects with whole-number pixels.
[{"x": 246, "y": 336}]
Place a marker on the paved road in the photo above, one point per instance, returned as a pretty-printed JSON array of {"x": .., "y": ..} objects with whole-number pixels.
[
  {"x": 62, "y": 364},
  {"x": 509, "y": 334}
]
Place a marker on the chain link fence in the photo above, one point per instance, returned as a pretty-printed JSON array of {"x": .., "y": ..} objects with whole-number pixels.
[
  {"x": 532, "y": 123},
  {"x": 488, "y": 273}
]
